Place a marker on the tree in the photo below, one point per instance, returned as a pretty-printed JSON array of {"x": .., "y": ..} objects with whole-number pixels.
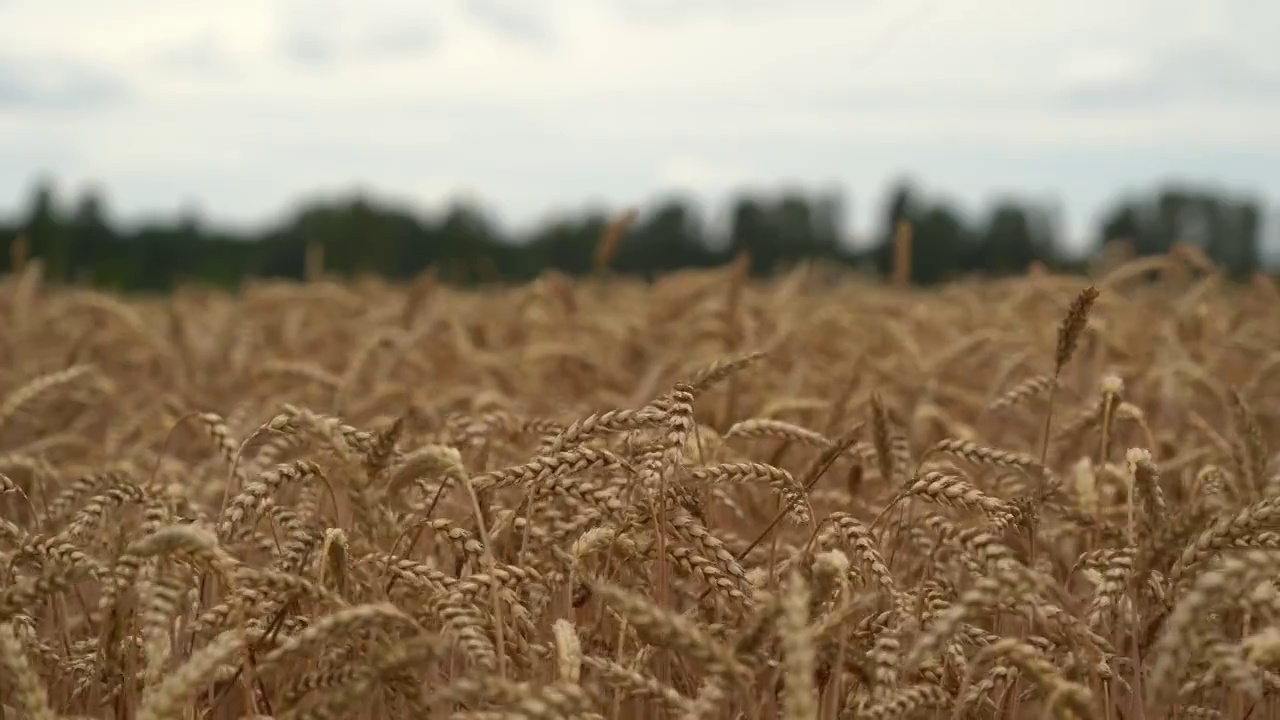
[
  {"x": 751, "y": 233},
  {"x": 89, "y": 237},
  {"x": 1234, "y": 230},
  {"x": 1122, "y": 222},
  {"x": 465, "y": 237},
  {"x": 361, "y": 234},
  {"x": 669, "y": 237},
  {"x": 901, "y": 205},
  {"x": 1008, "y": 244},
  {"x": 46, "y": 231},
  {"x": 939, "y": 239}
]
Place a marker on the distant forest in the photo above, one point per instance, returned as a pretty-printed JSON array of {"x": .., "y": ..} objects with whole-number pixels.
[{"x": 358, "y": 235}]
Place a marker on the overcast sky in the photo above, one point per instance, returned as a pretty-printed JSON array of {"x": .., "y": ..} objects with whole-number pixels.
[{"x": 243, "y": 107}]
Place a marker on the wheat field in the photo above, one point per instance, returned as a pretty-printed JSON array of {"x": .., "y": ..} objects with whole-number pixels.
[{"x": 706, "y": 497}]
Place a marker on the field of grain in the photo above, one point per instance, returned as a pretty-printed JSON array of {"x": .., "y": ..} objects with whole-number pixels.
[{"x": 811, "y": 497}]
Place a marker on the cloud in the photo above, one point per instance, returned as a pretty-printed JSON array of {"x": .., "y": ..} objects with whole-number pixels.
[
  {"x": 55, "y": 84},
  {"x": 699, "y": 174},
  {"x": 329, "y": 35},
  {"x": 1182, "y": 75},
  {"x": 309, "y": 47},
  {"x": 511, "y": 20},
  {"x": 401, "y": 39},
  {"x": 203, "y": 56},
  {"x": 674, "y": 12}
]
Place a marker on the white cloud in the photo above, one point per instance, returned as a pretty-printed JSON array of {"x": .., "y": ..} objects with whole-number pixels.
[
  {"x": 249, "y": 104},
  {"x": 1102, "y": 65},
  {"x": 699, "y": 175}
]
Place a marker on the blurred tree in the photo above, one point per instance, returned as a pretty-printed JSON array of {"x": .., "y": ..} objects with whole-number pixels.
[
  {"x": 1234, "y": 230},
  {"x": 1122, "y": 222},
  {"x": 828, "y": 221},
  {"x": 669, "y": 237},
  {"x": 466, "y": 234},
  {"x": 1171, "y": 215},
  {"x": 900, "y": 205},
  {"x": 1008, "y": 244},
  {"x": 89, "y": 237},
  {"x": 361, "y": 235},
  {"x": 46, "y": 231},
  {"x": 1226, "y": 228},
  {"x": 751, "y": 233},
  {"x": 939, "y": 238}
]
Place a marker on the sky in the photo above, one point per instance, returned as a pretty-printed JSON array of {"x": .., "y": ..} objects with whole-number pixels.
[{"x": 243, "y": 108}]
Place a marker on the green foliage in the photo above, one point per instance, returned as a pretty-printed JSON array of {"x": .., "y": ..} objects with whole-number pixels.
[
  {"x": 362, "y": 236},
  {"x": 1227, "y": 229}
]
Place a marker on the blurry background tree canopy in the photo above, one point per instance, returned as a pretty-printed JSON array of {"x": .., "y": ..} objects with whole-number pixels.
[{"x": 360, "y": 235}]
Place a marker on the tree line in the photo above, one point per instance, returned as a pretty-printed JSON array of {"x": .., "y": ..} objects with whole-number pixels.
[{"x": 359, "y": 235}]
